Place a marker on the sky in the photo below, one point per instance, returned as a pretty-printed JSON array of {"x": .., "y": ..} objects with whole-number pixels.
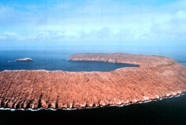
[{"x": 58, "y": 23}]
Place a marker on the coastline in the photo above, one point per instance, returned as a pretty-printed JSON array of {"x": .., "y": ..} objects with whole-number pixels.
[
  {"x": 155, "y": 79},
  {"x": 72, "y": 109}
]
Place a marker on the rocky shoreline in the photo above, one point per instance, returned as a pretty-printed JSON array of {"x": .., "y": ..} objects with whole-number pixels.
[
  {"x": 156, "y": 78},
  {"x": 81, "y": 108},
  {"x": 121, "y": 105}
]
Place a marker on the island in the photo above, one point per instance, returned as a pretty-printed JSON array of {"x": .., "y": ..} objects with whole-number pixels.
[
  {"x": 156, "y": 78},
  {"x": 26, "y": 59}
]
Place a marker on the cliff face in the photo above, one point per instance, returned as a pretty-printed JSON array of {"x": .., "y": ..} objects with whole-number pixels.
[{"x": 157, "y": 77}]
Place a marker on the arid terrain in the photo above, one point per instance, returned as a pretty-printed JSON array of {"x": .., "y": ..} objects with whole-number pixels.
[{"x": 157, "y": 77}]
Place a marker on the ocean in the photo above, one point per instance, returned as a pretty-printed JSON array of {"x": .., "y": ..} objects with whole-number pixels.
[
  {"x": 52, "y": 60},
  {"x": 166, "y": 111}
]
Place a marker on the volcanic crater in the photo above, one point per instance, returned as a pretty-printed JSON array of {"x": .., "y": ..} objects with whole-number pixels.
[{"x": 156, "y": 78}]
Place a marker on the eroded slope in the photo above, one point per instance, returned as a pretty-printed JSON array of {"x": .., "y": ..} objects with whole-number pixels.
[{"x": 157, "y": 77}]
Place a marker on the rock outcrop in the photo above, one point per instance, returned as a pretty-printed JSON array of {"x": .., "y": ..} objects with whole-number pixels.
[
  {"x": 157, "y": 77},
  {"x": 26, "y": 59}
]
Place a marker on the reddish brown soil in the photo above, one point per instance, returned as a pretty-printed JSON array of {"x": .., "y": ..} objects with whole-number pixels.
[{"x": 156, "y": 77}]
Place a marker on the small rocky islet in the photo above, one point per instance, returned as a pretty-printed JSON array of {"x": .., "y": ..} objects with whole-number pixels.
[{"x": 26, "y": 59}]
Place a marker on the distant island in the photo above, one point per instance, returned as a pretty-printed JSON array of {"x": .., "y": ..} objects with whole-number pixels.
[
  {"x": 156, "y": 78},
  {"x": 26, "y": 59}
]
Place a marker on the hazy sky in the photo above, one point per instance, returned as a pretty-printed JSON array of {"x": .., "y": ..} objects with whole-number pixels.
[{"x": 45, "y": 23}]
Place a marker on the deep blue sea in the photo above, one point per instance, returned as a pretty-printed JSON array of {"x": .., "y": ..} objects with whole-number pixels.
[
  {"x": 167, "y": 111},
  {"x": 52, "y": 60}
]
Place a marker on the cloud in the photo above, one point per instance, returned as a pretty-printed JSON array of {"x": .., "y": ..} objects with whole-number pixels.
[
  {"x": 9, "y": 35},
  {"x": 94, "y": 21}
]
